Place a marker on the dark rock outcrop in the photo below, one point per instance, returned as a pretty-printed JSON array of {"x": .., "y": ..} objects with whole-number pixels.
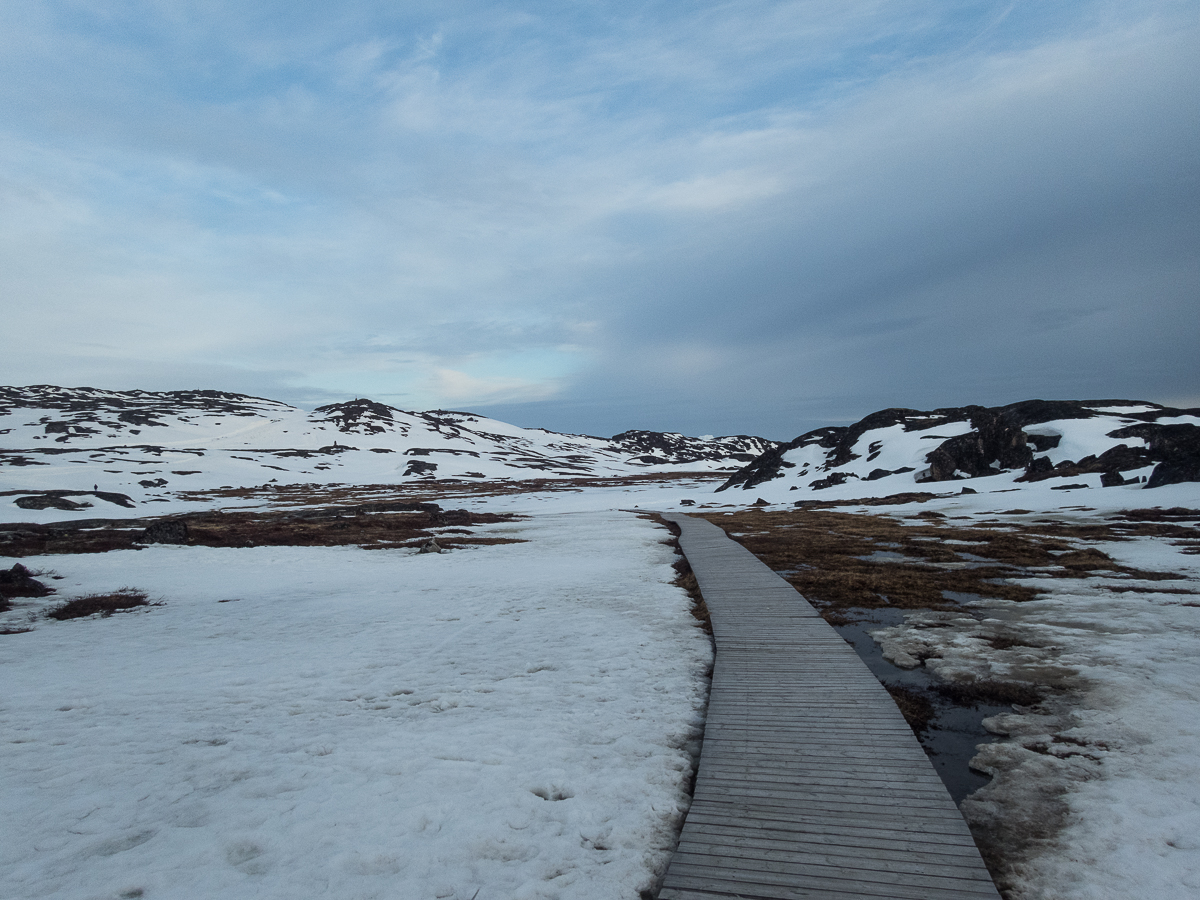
[
  {"x": 1120, "y": 458},
  {"x": 771, "y": 463},
  {"x": 654, "y": 447},
  {"x": 995, "y": 444},
  {"x": 359, "y": 416},
  {"x": 831, "y": 481},
  {"x": 19, "y": 582},
  {"x": 843, "y": 452},
  {"x": 48, "y": 501},
  {"x": 60, "y": 499},
  {"x": 166, "y": 531},
  {"x": 1175, "y": 447},
  {"x": 998, "y": 442}
]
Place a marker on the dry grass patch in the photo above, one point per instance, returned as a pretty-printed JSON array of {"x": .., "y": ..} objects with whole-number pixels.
[
  {"x": 826, "y": 556},
  {"x": 102, "y": 604},
  {"x": 843, "y": 561},
  {"x": 446, "y": 489},
  {"x": 376, "y": 525}
]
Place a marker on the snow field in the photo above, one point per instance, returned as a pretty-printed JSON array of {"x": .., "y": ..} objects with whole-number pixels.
[
  {"x": 1133, "y": 823},
  {"x": 191, "y": 449},
  {"x": 510, "y": 721}
]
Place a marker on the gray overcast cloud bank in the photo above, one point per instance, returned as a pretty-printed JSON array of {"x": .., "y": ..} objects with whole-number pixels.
[{"x": 738, "y": 217}]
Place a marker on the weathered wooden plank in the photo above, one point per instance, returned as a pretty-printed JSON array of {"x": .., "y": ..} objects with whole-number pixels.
[
  {"x": 789, "y": 871},
  {"x": 818, "y": 757},
  {"x": 864, "y": 865},
  {"x": 848, "y": 823},
  {"x": 785, "y": 787},
  {"x": 755, "y": 884},
  {"x": 825, "y": 835},
  {"x": 739, "y": 768},
  {"x": 912, "y": 859},
  {"x": 902, "y": 858},
  {"x": 810, "y": 782},
  {"x": 847, "y": 808}
]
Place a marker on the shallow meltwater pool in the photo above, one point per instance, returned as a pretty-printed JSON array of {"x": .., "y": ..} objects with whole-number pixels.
[{"x": 952, "y": 736}]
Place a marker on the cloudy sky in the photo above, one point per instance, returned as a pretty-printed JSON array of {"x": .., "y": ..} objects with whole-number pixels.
[{"x": 711, "y": 217}]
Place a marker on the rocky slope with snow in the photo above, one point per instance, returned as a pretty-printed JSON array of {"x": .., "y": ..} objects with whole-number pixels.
[
  {"x": 143, "y": 445},
  {"x": 1067, "y": 443}
]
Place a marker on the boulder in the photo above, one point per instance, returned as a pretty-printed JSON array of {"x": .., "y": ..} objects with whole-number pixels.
[
  {"x": 831, "y": 481},
  {"x": 166, "y": 531},
  {"x": 995, "y": 444},
  {"x": 19, "y": 582},
  {"x": 49, "y": 501}
]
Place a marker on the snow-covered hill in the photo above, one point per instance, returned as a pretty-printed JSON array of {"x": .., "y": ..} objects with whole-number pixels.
[
  {"x": 145, "y": 445},
  {"x": 1063, "y": 444}
]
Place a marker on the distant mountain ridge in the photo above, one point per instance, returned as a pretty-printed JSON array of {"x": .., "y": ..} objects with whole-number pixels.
[
  {"x": 66, "y": 437},
  {"x": 1121, "y": 441}
]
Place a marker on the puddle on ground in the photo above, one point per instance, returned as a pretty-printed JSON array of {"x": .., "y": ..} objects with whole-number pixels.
[
  {"x": 888, "y": 556},
  {"x": 964, "y": 561},
  {"x": 951, "y": 739},
  {"x": 962, "y": 597}
]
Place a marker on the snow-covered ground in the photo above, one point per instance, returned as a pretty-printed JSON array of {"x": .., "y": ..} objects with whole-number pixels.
[
  {"x": 510, "y": 721},
  {"x": 1132, "y": 806}
]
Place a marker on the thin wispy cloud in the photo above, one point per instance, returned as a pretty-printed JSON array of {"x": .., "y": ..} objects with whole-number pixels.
[{"x": 745, "y": 216}]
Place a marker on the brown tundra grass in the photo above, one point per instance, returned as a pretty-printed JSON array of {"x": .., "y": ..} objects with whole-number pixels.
[{"x": 104, "y": 604}]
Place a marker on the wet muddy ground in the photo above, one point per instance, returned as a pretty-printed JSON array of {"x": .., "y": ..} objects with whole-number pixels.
[{"x": 954, "y": 730}]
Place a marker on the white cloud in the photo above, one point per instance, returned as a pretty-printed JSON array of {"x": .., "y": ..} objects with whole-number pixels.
[
  {"x": 710, "y": 192},
  {"x": 453, "y": 387}
]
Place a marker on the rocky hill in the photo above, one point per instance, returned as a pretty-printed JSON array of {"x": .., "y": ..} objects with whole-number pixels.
[
  {"x": 1070, "y": 443},
  {"x": 145, "y": 444}
]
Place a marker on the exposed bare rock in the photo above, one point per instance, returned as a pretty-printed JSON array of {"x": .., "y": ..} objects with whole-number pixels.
[
  {"x": 1000, "y": 439},
  {"x": 166, "y": 531},
  {"x": 48, "y": 501},
  {"x": 60, "y": 499},
  {"x": 359, "y": 417},
  {"x": 653, "y": 447},
  {"x": 996, "y": 443},
  {"x": 19, "y": 582},
  {"x": 770, "y": 463},
  {"x": 417, "y": 467},
  {"x": 1176, "y": 448}
]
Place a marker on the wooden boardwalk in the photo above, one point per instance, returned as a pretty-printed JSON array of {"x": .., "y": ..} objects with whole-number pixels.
[{"x": 810, "y": 784}]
